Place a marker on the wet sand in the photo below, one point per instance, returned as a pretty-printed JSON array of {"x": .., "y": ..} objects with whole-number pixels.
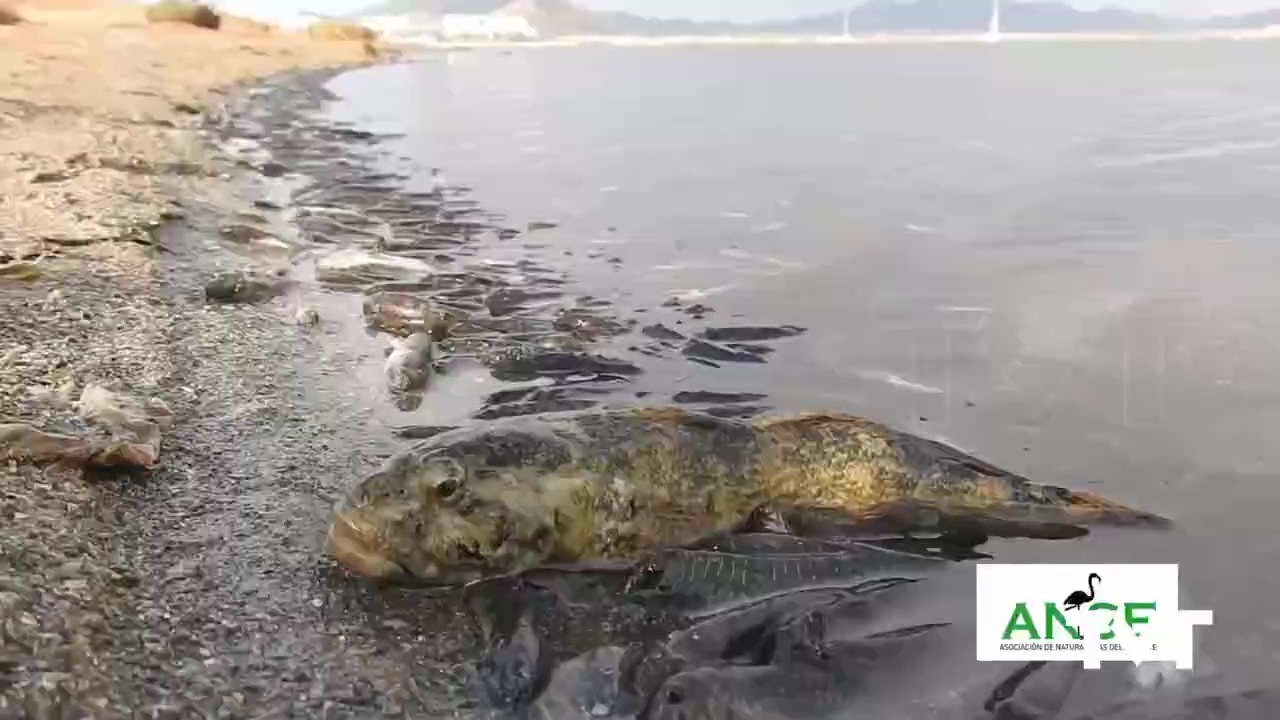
[{"x": 102, "y": 121}]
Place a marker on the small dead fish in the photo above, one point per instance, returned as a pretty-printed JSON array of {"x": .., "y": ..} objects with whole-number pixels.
[
  {"x": 408, "y": 366},
  {"x": 307, "y": 317}
]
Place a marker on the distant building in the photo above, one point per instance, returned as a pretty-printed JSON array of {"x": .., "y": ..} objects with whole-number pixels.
[
  {"x": 409, "y": 27},
  {"x": 495, "y": 26}
]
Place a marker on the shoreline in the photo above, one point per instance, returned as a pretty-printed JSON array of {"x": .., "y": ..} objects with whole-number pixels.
[
  {"x": 829, "y": 40},
  {"x": 103, "y": 142},
  {"x": 103, "y": 119}
]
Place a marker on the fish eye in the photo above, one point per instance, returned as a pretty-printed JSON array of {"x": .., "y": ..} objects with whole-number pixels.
[
  {"x": 447, "y": 477},
  {"x": 447, "y": 487}
]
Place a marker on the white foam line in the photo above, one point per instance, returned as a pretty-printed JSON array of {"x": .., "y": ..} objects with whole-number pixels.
[
  {"x": 962, "y": 309},
  {"x": 688, "y": 265},
  {"x": 1203, "y": 152},
  {"x": 771, "y": 227},
  {"x": 923, "y": 229},
  {"x": 699, "y": 293},
  {"x": 327, "y": 210},
  {"x": 761, "y": 272},
  {"x": 898, "y": 381},
  {"x": 734, "y": 214},
  {"x": 763, "y": 259}
]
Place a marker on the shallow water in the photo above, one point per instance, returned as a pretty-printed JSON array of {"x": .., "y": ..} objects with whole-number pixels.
[{"x": 1057, "y": 257}]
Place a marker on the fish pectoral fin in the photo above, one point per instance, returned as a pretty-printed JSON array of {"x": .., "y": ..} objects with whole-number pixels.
[
  {"x": 571, "y": 582},
  {"x": 764, "y": 518}
]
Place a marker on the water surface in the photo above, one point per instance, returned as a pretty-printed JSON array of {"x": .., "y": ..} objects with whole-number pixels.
[{"x": 1058, "y": 257}]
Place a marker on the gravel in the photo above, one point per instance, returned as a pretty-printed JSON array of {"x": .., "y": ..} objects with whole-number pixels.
[{"x": 200, "y": 589}]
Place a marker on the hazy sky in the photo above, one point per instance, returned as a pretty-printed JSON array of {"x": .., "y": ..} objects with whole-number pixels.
[
  {"x": 740, "y": 9},
  {"x": 753, "y": 9}
]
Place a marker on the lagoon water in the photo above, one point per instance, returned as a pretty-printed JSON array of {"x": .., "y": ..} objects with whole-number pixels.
[{"x": 1059, "y": 257}]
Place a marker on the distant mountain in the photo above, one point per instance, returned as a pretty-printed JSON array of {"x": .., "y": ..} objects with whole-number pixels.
[
  {"x": 1261, "y": 19},
  {"x": 434, "y": 7},
  {"x": 425, "y": 7},
  {"x": 563, "y": 17},
  {"x": 962, "y": 16},
  {"x": 554, "y": 17},
  {"x": 560, "y": 17}
]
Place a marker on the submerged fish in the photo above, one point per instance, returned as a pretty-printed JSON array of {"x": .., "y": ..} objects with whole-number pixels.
[
  {"x": 800, "y": 654},
  {"x": 587, "y": 686},
  {"x": 614, "y": 485},
  {"x": 805, "y": 680},
  {"x": 404, "y": 314},
  {"x": 408, "y": 365}
]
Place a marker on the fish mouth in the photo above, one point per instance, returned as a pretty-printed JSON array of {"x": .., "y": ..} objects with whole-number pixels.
[{"x": 355, "y": 544}]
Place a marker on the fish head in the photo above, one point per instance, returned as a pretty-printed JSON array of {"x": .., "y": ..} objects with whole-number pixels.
[
  {"x": 443, "y": 521},
  {"x": 701, "y": 694}
]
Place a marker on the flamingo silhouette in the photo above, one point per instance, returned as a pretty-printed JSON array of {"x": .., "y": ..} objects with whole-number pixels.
[{"x": 1080, "y": 597}]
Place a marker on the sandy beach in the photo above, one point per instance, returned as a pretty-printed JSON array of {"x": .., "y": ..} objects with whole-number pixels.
[
  {"x": 91, "y": 95},
  {"x": 99, "y": 143}
]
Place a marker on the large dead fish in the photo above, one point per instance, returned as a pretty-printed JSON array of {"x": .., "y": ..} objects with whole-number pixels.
[{"x": 614, "y": 485}]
